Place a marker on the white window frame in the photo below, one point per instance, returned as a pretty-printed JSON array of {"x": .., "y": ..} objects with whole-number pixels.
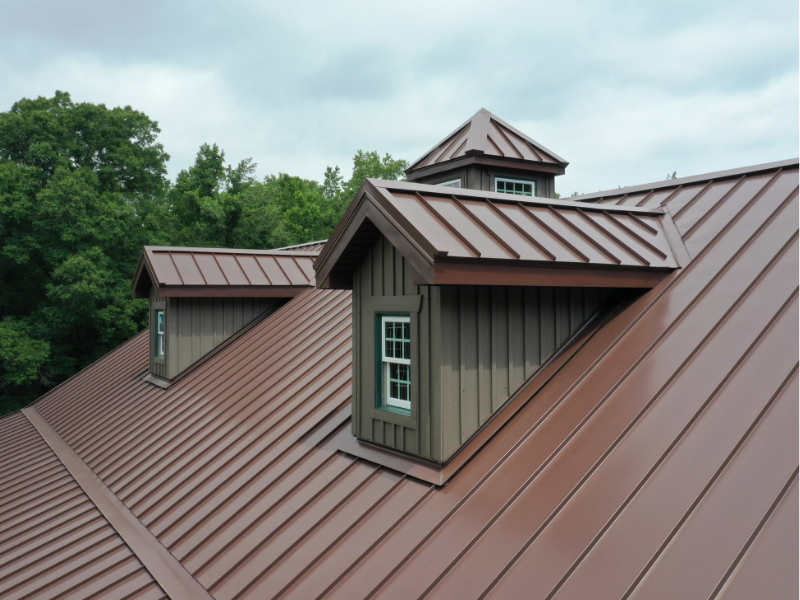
[
  {"x": 160, "y": 332},
  {"x": 530, "y": 182},
  {"x": 453, "y": 183},
  {"x": 387, "y": 399}
]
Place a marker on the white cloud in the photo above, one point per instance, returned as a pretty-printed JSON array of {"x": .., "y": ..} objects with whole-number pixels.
[{"x": 624, "y": 90}]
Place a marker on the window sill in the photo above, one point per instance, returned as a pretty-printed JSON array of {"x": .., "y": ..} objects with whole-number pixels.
[{"x": 157, "y": 381}]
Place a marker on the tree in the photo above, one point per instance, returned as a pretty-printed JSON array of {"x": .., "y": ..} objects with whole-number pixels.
[
  {"x": 365, "y": 164},
  {"x": 205, "y": 200},
  {"x": 81, "y": 190}
]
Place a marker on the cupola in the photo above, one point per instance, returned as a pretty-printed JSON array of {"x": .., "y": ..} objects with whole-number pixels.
[{"x": 486, "y": 153}]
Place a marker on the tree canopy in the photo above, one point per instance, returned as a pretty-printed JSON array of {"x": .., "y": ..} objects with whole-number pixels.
[{"x": 83, "y": 188}]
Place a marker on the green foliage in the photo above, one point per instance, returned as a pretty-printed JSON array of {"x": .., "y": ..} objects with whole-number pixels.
[
  {"x": 673, "y": 176},
  {"x": 79, "y": 186},
  {"x": 83, "y": 188},
  {"x": 365, "y": 164}
]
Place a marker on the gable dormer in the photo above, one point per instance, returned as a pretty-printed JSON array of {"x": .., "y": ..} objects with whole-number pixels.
[
  {"x": 200, "y": 297},
  {"x": 460, "y": 296},
  {"x": 486, "y": 153}
]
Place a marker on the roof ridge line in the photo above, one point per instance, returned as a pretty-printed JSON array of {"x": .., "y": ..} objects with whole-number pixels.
[
  {"x": 166, "y": 570},
  {"x": 689, "y": 179}
]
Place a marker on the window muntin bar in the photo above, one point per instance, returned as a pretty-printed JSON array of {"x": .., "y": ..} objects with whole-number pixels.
[
  {"x": 159, "y": 349},
  {"x": 519, "y": 187},
  {"x": 396, "y": 361}
]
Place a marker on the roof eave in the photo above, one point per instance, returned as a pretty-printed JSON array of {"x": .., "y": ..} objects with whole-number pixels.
[{"x": 491, "y": 161}]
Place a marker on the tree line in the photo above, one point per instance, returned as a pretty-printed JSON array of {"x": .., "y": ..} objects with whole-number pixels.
[{"x": 84, "y": 187}]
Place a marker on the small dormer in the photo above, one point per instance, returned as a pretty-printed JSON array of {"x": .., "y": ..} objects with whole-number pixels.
[
  {"x": 460, "y": 296},
  {"x": 486, "y": 153},
  {"x": 200, "y": 297}
]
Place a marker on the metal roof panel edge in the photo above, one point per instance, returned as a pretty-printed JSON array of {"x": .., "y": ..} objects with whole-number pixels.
[{"x": 668, "y": 183}]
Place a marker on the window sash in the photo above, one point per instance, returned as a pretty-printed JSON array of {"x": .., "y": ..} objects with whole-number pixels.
[
  {"x": 514, "y": 185},
  {"x": 399, "y": 383},
  {"x": 160, "y": 336},
  {"x": 453, "y": 183}
]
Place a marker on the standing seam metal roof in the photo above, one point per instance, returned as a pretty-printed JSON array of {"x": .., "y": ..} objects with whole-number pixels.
[
  {"x": 468, "y": 236},
  {"x": 223, "y": 272},
  {"x": 660, "y": 461},
  {"x": 53, "y": 540}
]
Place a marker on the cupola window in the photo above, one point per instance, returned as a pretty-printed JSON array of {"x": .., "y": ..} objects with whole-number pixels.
[
  {"x": 519, "y": 187},
  {"x": 394, "y": 384},
  {"x": 159, "y": 350},
  {"x": 453, "y": 183}
]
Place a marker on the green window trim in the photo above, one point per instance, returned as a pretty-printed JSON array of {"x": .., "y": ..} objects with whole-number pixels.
[
  {"x": 160, "y": 334},
  {"x": 393, "y": 362},
  {"x": 519, "y": 187}
]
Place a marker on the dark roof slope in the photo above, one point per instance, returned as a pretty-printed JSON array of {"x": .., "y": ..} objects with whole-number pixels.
[
  {"x": 659, "y": 461},
  {"x": 486, "y": 136}
]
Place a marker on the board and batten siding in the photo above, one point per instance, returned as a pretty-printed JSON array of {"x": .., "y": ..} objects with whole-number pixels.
[
  {"x": 195, "y": 326},
  {"x": 494, "y": 339},
  {"x": 472, "y": 347}
]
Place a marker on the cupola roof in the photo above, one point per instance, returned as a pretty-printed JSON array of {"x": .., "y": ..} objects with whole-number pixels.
[{"x": 485, "y": 138}]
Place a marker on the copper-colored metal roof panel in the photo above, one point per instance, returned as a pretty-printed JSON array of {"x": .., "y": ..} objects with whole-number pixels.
[
  {"x": 484, "y": 134},
  {"x": 311, "y": 248},
  {"x": 209, "y": 267},
  {"x": 659, "y": 461},
  {"x": 473, "y": 237},
  {"x": 431, "y": 226},
  {"x": 293, "y": 271},
  {"x": 224, "y": 272},
  {"x": 273, "y": 271},
  {"x": 164, "y": 268},
  {"x": 52, "y": 538},
  {"x": 252, "y": 271},
  {"x": 233, "y": 272},
  {"x": 764, "y": 571},
  {"x": 188, "y": 269}
]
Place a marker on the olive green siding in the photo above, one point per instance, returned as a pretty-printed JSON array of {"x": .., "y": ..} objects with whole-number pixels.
[
  {"x": 494, "y": 338},
  {"x": 481, "y": 177},
  {"x": 195, "y": 326},
  {"x": 472, "y": 347}
]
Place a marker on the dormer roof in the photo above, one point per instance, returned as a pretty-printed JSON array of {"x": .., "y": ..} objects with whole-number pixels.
[
  {"x": 224, "y": 272},
  {"x": 485, "y": 138},
  {"x": 473, "y": 237}
]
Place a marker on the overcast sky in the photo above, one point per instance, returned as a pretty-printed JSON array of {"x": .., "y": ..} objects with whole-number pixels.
[{"x": 625, "y": 91}]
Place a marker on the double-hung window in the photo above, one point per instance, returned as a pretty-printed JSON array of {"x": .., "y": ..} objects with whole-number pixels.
[
  {"x": 395, "y": 365},
  {"x": 519, "y": 187},
  {"x": 159, "y": 349}
]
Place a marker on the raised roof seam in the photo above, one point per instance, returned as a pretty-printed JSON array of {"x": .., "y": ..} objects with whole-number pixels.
[{"x": 167, "y": 571}]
